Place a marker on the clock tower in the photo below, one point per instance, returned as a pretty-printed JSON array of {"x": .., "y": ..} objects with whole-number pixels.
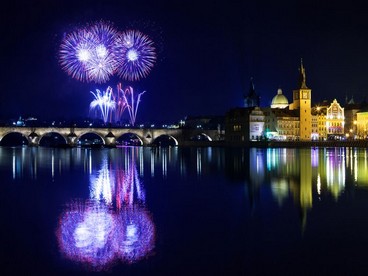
[{"x": 302, "y": 101}]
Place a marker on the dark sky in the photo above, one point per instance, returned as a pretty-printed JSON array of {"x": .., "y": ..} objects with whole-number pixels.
[{"x": 207, "y": 53}]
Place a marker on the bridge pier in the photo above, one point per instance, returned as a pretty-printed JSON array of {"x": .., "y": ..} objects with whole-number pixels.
[
  {"x": 33, "y": 139},
  {"x": 110, "y": 140},
  {"x": 72, "y": 139}
]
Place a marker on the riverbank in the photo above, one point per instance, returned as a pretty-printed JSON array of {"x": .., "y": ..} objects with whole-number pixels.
[
  {"x": 309, "y": 144},
  {"x": 279, "y": 144}
]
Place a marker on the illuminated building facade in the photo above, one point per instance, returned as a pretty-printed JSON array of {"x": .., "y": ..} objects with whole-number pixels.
[
  {"x": 335, "y": 120},
  {"x": 319, "y": 112},
  {"x": 315, "y": 135},
  {"x": 362, "y": 124},
  {"x": 287, "y": 124},
  {"x": 256, "y": 124}
]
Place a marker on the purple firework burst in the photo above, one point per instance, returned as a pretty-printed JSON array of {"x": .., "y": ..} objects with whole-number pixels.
[
  {"x": 136, "y": 55},
  {"x": 88, "y": 54}
]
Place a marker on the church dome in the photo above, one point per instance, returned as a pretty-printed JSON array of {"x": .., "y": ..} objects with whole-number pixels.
[{"x": 279, "y": 101}]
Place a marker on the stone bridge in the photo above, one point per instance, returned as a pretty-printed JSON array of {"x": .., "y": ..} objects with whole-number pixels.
[{"x": 109, "y": 136}]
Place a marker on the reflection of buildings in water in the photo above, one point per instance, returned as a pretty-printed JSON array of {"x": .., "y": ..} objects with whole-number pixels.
[
  {"x": 283, "y": 161},
  {"x": 331, "y": 171},
  {"x": 280, "y": 189},
  {"x": 95, "y": 233},
  {"x": 305, "y": 192},
  {"x": 291, "y": 169},
  {"x": 357, "y": 163},
  {"x": 256, "y": 166},
  {"x": 335, "y": 172}
]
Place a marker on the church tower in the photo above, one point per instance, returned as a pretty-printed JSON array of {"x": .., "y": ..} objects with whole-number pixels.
[
  {"x": 302, "y": 100},
  {"x": 252, "y": 99}
]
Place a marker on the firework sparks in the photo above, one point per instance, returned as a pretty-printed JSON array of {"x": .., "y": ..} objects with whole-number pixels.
[
  {"x": 104, "y": 102},
  {"x": 87, "y": 54},
  {"x": 132, "y": 104},
  {"x": 136, "y": 55}
]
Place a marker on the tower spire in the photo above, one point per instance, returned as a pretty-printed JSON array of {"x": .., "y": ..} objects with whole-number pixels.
[
  {"x": 251, "y": 88},
  {"x": 302, "y": 77}
]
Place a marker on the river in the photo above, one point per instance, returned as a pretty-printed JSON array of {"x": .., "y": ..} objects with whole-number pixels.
[{"x": 183, "y": 211}]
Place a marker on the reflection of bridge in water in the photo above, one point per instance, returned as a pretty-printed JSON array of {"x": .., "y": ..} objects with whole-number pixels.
[{"x": 109, "y": 136}]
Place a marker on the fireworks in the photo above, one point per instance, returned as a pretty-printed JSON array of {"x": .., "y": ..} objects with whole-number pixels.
[
  {"x": 132, "y": 103},
  {"x": 111, "y": 105},
  {"x": 104, "y": 102},
  {"x": 88, "y": 54},
  {"x": 136, "y": 55},
  {"x": 98, "y": 51}
]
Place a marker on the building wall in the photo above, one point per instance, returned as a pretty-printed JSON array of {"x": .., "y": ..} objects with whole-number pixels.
[
  {"x": 335, "y": 119},
  {"x": 362, "y": 124},
  {"x": 256, "y": 124},
  {"x": 288, "y": 128},
  {"x": 237, "y": 126},
  {"x": 351, "y": 121}
]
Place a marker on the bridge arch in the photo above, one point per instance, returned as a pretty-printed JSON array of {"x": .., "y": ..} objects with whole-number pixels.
[
  {"x": 201, "y": 137},
  {"x": 130, "y": 139},
  {"x": 165, "y": 140},
  {"x": 52, "y": 139},
  {"x": 13, "y": 138},
  {"x": 90, "y": 137}
]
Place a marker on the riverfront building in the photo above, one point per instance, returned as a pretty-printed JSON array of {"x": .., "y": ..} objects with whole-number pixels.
[{"x": 297, "y": 121}]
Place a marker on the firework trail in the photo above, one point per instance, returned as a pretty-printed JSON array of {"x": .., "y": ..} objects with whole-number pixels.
[
  {"x": 131, "y": 103},
  {"x": 136, "y": 55},
  {"x": 104, "y": 102},
  {"x": 121, "y": 104}
]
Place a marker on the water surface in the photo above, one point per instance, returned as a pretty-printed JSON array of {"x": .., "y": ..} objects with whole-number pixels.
[{"x": 186, "y": 211}]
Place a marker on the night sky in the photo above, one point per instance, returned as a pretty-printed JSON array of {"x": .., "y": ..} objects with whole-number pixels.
[{"x": 207, "y": 53}]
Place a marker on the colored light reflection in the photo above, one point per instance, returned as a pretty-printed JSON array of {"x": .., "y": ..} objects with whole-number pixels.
[{"x": 113, "y": 224}]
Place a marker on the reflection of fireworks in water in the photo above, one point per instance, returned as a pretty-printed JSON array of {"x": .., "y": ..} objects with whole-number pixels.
[
  {"x": 104, "y": 102},
  {"x": 136, "y": 232},
  {"x": 88, "y": 54},
  {"x": 94, "y": 234},
  {"x": 129, "y": 188},
  {"x": 136, "y": 55},
  {"x": 101, "y": 185},
  {"x": 85, "y": 234}
]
